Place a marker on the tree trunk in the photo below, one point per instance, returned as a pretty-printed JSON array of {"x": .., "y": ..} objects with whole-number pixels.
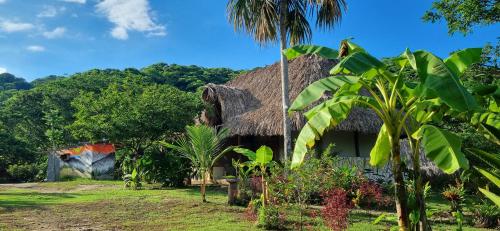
[
  {"x": 203, "y": 184},
  {"x": 399, "y": 186},
  {"x": 419, "y": 190},
  {"x": 287, "y": 132},
  {"x": 264, "y": 189}
]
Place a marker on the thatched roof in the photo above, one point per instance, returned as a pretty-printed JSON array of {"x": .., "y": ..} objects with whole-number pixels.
[{"x": 251, "y": 103}]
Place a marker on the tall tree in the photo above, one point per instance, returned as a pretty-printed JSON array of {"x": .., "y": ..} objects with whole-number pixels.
[
  {"x": 462, "y": 15},
  {"x": 287, "y": 21}
]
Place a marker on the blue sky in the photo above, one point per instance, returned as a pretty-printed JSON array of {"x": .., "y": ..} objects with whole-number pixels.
[{"x": 44, "y": 37}]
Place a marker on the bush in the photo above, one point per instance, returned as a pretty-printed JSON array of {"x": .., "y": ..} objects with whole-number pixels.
[
  {"x": 155, "y": 166},
  {"x": 455, "y": 195},
  {"x": 336, "y": 209},
  {"x": 487, "y": 215},
  {"x": 23, "y": 172},
  {"x": 271, "y": 218}
]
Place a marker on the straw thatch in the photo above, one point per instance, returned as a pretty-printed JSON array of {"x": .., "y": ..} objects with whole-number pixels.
[{"x": 250, "y": 105}]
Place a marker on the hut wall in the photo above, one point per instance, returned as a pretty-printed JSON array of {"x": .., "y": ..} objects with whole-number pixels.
[{"x": 345, "y": 143}]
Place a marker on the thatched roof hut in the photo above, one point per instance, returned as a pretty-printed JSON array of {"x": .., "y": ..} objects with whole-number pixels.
[{"x": 250, "y": 105}]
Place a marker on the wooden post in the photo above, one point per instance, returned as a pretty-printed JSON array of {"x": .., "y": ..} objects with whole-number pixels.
[{"x": 232, "y": 191}]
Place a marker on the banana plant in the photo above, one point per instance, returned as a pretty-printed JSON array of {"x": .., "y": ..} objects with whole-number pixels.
[
  {"x": 260, "y": 159},
  {"x": 404, "y": 107}
]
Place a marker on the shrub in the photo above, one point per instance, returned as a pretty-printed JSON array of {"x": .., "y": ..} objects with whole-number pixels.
[
  {"x": 455, "y": 195},
  {"x": 271, "y": 218},
  {"x": 336, "y": 209},
  {"x": 487, "y": 215},
  {"x": 23, "y": 172}
]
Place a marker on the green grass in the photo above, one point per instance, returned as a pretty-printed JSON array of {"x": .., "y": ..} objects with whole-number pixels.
[{"x": 106, "y": 205}]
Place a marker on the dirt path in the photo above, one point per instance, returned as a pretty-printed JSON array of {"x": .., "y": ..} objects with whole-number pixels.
[{"x": 41, "y": 187}]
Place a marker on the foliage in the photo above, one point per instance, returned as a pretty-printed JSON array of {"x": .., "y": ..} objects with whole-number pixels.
[
  {"x": 261, "y": 159},
  {"x": 455, "y": 195},
  {"x": 202, "y": 146},
  {"x": 271, "y": 217},
  {"x": 11, "y": 82},
  {"x": 187, "y": 78},
  {"x": 404, "y": 105},
  {"x": 462, "y": 15},
  {"x": 336, "y": 209},
  {"x": 23, "y": 172},
  {"x": 487, "y": 215},
  {"x": 40, "y": 113}
]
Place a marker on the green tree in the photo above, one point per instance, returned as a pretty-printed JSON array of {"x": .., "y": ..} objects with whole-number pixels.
[
  {"x": 405, "y": 107},
  {"x": 10, "y": 82},
  {"x": 462, "y": 15},
  {"x": 203, "y": 146},
  {"x": 287, "y": 21},
  {"x": 133, "y": 115}
]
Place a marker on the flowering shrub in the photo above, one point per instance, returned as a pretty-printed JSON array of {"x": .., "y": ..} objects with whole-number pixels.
[{"x": 336, "y": 209}]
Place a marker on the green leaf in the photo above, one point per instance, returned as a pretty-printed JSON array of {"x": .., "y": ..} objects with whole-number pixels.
[
  {"x": 134, "y": 174},
  {"x": 264, "y": 155},
  {"x": 493, "y": 197},
  {"x": 459, "y": 61},
  {"x": 439, "y": 80},
  {"x": 246, "y": 152},
  {"x": 489, "y": 176},
  {"x": 357, "y": 63},
  {"x": 381, "y": 151},
  {"x": 379, "y": 218},
  {"x": 490, "y": 159},
  {"x": 314, "y": 91},
  {"x": 443, "y": 148},
  {"x": 325, "y": 118},
  {"x": 299, "y": 50}
]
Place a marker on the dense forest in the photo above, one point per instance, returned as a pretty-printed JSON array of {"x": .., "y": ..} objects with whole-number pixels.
[{"x": 133, "y": 108}]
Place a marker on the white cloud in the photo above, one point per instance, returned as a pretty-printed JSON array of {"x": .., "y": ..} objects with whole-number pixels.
[
  {"x": 50, "y": 11},
  {"x": 75, "y": 1},
  {"x": 35, "y": 48},
  {"x": 56, "y": 33},
  {"x": 3, "y": 70},
  {"x": 9, "y": 26},
  {"x": 130, "y": 15}
]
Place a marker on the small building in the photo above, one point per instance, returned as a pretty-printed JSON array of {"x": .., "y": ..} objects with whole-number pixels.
[
  {"x": 94, "y": 161},
  {"x": 250, "y": 106}
]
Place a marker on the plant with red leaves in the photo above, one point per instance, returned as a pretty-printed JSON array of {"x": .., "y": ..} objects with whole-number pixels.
[
  {"x": 369, "y": 194},
  {"x": 336, "y": 209}
]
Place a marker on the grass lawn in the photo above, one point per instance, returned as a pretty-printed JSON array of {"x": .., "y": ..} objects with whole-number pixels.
[{"x": 106, "y": 205}]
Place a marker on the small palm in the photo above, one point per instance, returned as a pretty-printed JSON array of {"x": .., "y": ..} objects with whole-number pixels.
[{"x": 203, "y": 146}]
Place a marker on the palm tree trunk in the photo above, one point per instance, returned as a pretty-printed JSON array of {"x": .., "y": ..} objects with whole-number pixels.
[
  {"x": 399, "y": 186},
  {"x": 203, "y": 184},
  {"x": 287, "y": 132}
]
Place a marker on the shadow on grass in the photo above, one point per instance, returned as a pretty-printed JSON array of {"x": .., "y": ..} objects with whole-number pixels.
[{"x": 12, "y": 200}]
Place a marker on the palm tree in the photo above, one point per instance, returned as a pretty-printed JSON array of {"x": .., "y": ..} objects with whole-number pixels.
[
  {"x": 203, "y": 146},
  {"x": 286, "y": 20}
]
